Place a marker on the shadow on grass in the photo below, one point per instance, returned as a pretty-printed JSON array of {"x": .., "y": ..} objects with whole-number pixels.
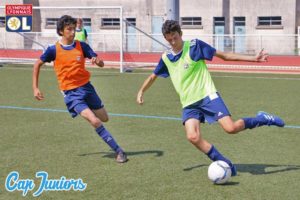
[
  {"x": 156, "y": 153},
  {"x": 256, "y": 169},
  {"x": 194, "y": 167},
  {"x": 260, "y": 169},
  {"x": 229, "y": 183}
]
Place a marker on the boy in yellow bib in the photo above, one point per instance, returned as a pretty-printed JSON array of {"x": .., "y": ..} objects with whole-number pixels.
[
  {"x": 185, "y": 64},
  {"x": 80, "y": 34}
]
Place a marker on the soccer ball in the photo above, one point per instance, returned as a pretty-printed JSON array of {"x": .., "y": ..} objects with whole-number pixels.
[{"x": 219, "y": 172}]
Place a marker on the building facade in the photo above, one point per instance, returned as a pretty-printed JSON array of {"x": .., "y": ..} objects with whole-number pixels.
[{"x": 229, "y": 25}]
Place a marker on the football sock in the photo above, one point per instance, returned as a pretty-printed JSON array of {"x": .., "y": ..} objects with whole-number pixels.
[
  {"x": 252, "y": 123},
  {"x": 107, "y": 137},
  {"x": 215, "y": 155}
]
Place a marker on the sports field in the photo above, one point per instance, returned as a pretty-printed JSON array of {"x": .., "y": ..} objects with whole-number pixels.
[{"x": 41, "y": 136}]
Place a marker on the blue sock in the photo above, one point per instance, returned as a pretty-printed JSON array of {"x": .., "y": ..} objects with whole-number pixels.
[
  {"x": 107, "y": 137},
  {"x": 251, "y": 123},
  {"x": 215, "y": 155}
]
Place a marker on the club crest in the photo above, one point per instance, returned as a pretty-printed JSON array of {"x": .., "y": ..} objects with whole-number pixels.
[{"x": 185, "y": 65}]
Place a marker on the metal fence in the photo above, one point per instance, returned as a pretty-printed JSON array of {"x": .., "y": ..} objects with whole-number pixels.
[{"x": 110, "y": 42}]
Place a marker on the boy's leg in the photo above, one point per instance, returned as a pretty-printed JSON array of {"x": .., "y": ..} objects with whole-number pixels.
[
  {"x": 94, "y": 120},
  {"x": 261, "y": 119},
  {"x": 101, "y": 114},
  {"x": 193, "y": 133},
  {"x": 222, "y": 115},
  {"x": 230, "y": 126}
]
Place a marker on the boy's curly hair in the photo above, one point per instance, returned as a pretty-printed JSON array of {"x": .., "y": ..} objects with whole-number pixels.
[
  {"x": 64, "y": 21},
  {"x": 170, "y": 26}
]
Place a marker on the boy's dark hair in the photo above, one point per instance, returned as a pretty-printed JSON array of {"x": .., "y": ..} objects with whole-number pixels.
[
  {"x": 170, "y": 26},
  {"x": 64, "y": 21}
]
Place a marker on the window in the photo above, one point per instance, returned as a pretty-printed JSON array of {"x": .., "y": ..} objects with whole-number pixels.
[
  {"x": 131, "y": 21},
  {"x": 219, "y": 21},
  {"x": 87, "y": 21},
  {"x": 2, "y": 21},
  {"x": 110, "y": 23},
  {"x": 51, "y": 22},
  {"x": 191, "y": 21},
  {"x": 269, "y": 22},
  {"x": 239, "y": 21}
]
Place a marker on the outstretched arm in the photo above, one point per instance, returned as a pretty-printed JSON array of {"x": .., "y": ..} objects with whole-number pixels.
[
  {"x": 35, "y": 80},
  {"x": 260, "y": 57},
  {"x": 147, "y": 84}
]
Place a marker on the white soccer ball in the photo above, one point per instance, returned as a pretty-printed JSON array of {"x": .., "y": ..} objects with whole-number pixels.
[{"x": 219, "y": 172}]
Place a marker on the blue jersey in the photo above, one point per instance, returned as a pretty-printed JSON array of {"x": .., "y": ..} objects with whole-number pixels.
[
  {"x": 50, "y": 53},
  {"x": 199, "y": 50}
]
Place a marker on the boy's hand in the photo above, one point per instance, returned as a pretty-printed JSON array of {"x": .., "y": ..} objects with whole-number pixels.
[
  {"x": 97, "y": 61},
  {"x": 37, "y": 94},
  {"x": 140, "y": 98},
  {"x": 262, "y": 56}
]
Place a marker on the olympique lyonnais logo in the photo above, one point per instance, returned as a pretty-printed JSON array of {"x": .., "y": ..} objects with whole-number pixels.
[{"x": 18, "y": 18}]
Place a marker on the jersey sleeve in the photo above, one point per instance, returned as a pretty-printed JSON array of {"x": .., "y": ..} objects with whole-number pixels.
[
  {"x": 87, "y": 50},
  {"x": 49, "y": 55},
  {"x": 161, "y": 69},
  {"x": 200, "y": 50}
]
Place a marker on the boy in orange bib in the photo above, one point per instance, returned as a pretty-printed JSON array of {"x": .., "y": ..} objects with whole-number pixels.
[{"x": 74, "y": 80}]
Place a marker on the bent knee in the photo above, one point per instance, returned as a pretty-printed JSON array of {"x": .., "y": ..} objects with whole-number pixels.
[
  {"x": 105, "y": 119},
  {"x": 95, "y": 122},
  {"x": 193, "y": 137},
  {"x": 230, "y": 130}
]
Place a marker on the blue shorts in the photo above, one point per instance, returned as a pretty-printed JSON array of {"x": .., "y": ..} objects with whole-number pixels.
[
  {"x": 210, "y": 109},
  {"x": 81, "y": 98}
]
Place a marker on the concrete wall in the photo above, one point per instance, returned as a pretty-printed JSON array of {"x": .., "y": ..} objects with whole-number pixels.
[
  {"x": 254, "y": 8},
  {"x": 204, "y": 9}
]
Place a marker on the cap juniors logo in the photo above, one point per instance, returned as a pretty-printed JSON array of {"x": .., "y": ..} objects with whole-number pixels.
[
  {"x": 13, "y": 183},
  {"x": 18, "y": 18}
]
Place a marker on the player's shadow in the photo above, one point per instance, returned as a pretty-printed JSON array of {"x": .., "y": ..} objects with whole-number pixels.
[
  {"x": 111, "y": 154},
  {"x": 263, "y": 169},
  {"x": 256, "y": 169},
  {"x": 194, "y": 167}
]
